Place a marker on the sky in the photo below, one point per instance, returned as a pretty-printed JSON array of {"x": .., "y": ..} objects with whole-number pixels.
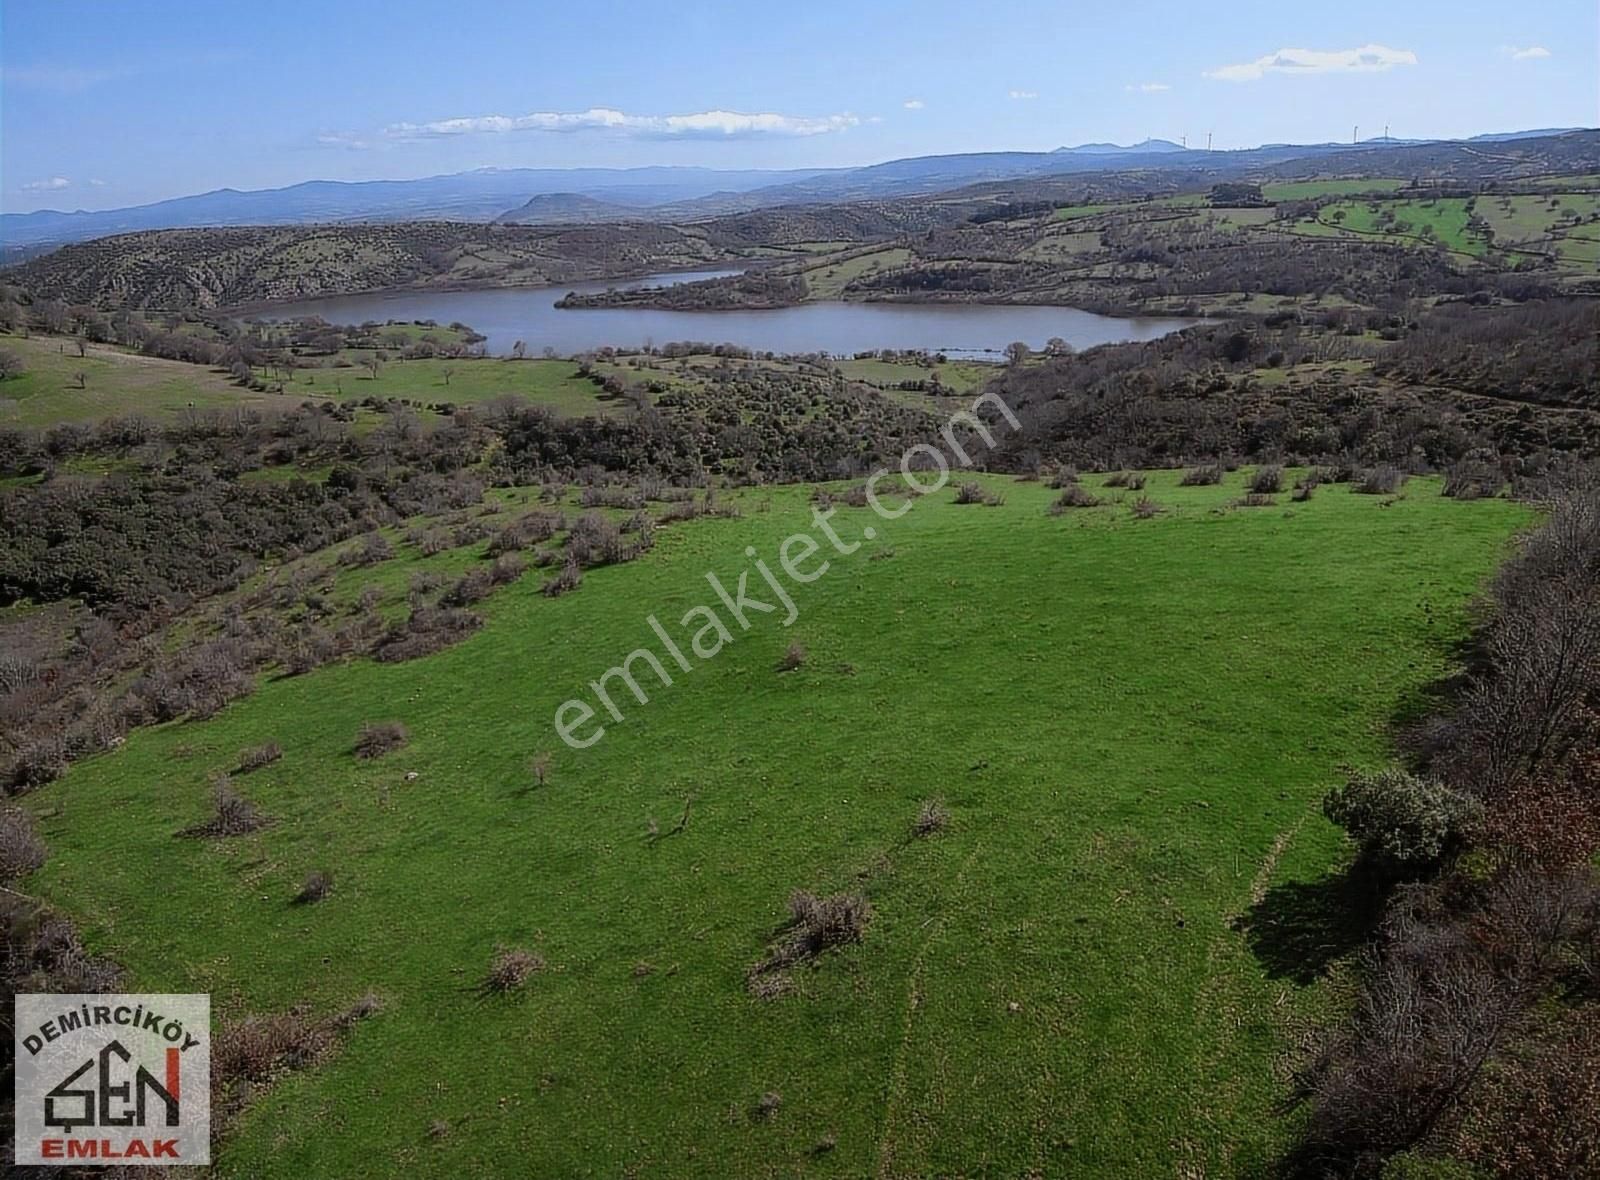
[{"x": 116, "y": 102}]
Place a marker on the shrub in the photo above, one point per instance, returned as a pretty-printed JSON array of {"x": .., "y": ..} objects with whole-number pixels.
[
  {"x": 1383, "y": 480},
  {"x": 1474, "y": 479},
  {"x": 769, "y": 1105},
  {"x": 1075, "y": 496},
  {"x": 510, "y": 969},
  {"x": 378, "y": 738},
  {"x": 370, "y": 550},
  {"x": 232, "y": 814},
  {"x": 793, "y": 658},
  {"x": 1066, "y": 475},
  {"x": 569, "y": 578},
  {"x": 473, "y": 586},
  {"x": 969, "y": 493},
  {"x": 1119, "y": 479},
  {"x": 317, "y": 886},
  {"x": 931, "y": 818},
  {"x": 1144, "y": 508},
  {"x": 21, "y": 850},
  {"x": 1267, "y": 480},
  {"x": 539, "y": 765},
  {"x": 816, "y": 924},
  {"x": 1401, "y": 823},
  {"x": 1205, "y": 476},
  {"x": 258, "y": 756},
  {"x": 1254, "y": 500},
  {"x": 1304, "y": 492}
]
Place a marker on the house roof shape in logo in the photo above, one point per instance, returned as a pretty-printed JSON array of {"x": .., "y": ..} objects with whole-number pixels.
[{"x": 133, "y": 1093}]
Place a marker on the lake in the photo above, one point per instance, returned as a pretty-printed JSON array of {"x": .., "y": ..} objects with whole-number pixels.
[{"x": 508, "y": 314}]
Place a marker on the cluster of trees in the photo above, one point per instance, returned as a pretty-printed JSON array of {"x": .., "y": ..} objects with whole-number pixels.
[{"x": 752, "y": 289}]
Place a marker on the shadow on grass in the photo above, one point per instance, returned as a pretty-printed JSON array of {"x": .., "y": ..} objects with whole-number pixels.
[{"x": 1299, "y": 929}]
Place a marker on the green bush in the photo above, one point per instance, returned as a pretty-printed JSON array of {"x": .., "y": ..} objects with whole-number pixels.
[{"x": 1400, "y": 821}]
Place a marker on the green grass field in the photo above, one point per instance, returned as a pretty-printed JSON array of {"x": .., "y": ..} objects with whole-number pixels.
[
  {"x": 115, "y": 382},
  {"x": 553, "y": 383},
  {"x": 1305, "y": 190},
  {"x": 1443, "y": 220},
  {"x": 1130, "y": 722}
]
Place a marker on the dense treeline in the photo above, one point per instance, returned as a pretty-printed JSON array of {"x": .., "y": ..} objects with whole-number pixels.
[
  {"x": 1477, "y": 1034},
  {"x": 1195, "y": 395}
]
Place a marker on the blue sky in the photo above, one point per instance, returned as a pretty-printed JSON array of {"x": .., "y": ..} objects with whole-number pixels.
[{"x": 105, "y": 104}]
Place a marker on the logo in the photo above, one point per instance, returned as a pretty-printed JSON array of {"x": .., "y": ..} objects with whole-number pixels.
[{"x": 113, "y": 1079}]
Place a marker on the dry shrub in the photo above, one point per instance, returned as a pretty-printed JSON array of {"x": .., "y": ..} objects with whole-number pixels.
[
  {"x": 931, "y": 818},
  {"x": 816, "y": 924},
  {"x": 369, "y": 550},
  {"x": 251, "y": 1053},
  {"x": 318, "y": 884},
  {"x": 378, "y": 738},
  {"x": 21, "y": 849},
  {"x": 1254, "y": 500},
  {"x": 771, "y": 1102},
  {"x": 1537, "y": 1116},
  {"x": 473, "y": 586},
  {"x": 855, "y": 496},
  {"x": 1066, "y": 475},
  {"x": 231, "y": 813},
  {"x": 1144, "y": 508},
  {"x": 40, "y": 762},
  {"x": 969, "y": 493},
  {"x": 1383, "y": 480},
  {"x": 1474, "y": 478},
  {"x": 1118, "y": 479},
  {"x": 570, "y": 577},
  {"x": 539, "y": 765},
  {"x": 793, "y": 658},
  {"x": 1205, "y": 476},
  {"x": 425, "y": 631},
  {"x": 1268, "y": 480},
  {"x": 256, "y": 757},
  {"x": 1304, "y": 492},
  {"x": 510, "y": 968},
  {"x": 526, "y": 531},
  {"x": 1074, "y": 496}
]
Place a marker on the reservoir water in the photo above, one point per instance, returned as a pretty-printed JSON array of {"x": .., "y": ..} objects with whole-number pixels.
[{"x": 507, "y": 315}]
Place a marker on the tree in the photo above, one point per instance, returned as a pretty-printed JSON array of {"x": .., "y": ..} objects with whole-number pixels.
[
  {"x": 11, "y": 364},
  {"x": 519, "y": 350},
  {"x": 82, "y": 344},
  {"x": 373, "y": 364},
  {"x": 1056, "y": 346},
  {"x": 1017, "y": 352},
  {"x": 447, "y": 372},
  {"x": 82, "y": 379}
]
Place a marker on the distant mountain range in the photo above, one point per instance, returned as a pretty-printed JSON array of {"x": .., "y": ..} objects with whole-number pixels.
[{"x": 556, "y": 196}]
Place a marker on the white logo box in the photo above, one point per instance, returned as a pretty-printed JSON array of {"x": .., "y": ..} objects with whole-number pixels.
[{"x": 117, "y": 1078}]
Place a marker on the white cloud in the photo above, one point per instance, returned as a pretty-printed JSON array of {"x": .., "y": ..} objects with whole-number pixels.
[
  {"x": 1367, "y": 59},
  {"x": 348, "y": 140},
  {"x": 1020, "y": 94},
  {"x": 1148, "y": 87},
  {"x": 96, "y": 182},
  {"x": 701, "y": 125},
  {"x": 913, "y": 104},
  {"x": 51, "y": 184},
  {"x": 1531, "y": 53}
]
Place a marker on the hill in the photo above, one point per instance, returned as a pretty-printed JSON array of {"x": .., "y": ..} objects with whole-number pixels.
[{"x": 1106, "y": 904}]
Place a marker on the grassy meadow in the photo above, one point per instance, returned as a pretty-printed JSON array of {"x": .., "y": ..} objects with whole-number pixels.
[{"x": 1093, "y": 970}]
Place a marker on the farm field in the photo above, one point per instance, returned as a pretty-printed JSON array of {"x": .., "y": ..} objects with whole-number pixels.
[{"x": 1092, "y": 970}]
